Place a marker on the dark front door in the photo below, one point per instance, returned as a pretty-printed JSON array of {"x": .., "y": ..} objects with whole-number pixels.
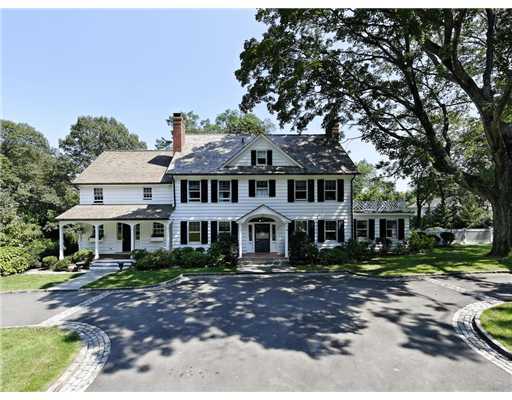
[
  {"x": 126, "y": 238},
  {"x": 262, "y": 238}
]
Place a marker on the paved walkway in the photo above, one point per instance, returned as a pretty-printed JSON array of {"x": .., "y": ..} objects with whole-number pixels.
[{"x": 84, "y": 279}]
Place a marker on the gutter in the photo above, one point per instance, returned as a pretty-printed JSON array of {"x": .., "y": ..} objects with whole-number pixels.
[{"x": 352, "y": 204}]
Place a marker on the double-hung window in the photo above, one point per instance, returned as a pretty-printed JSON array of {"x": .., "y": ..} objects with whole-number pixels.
[
  {"x": 147, "y": 193},
  {"x": 101, "y": 232},
  {"x": 261, "y": 188},
  {"x": 391, "y": 229},
  {"x": 301, "y": 190},
  {"x": 194, "y": 232},
  {"x": 224, "y": 229},
  {"x": 362, "y": 228},
  {"x": 194, "y": 190},
  {"x": 158, "y": 230},
  {"x": 330, "y": 190},
  {"x": 224, "y": 191},
  {"x": 301, "y": 226},
  {"x": 98, "y": 195},
  {"x": 261, "y": 157},
  {"x": 330, "y": 230}
]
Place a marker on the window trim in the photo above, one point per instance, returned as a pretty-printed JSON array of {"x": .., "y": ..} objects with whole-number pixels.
[
  {"x": 333, "y": 191},
  {"x": 366, "y": 228},
  {"x": 189, "y": 231},
  {"x": 258, "y": 158},
  {"x": 189, "y": 191},
  {"x": 219, "y": 232},
  {"x": 267, "y": 188},
  {"x": 335, "y": 230},
  {"x": 305, "y": 190},
  {"x": 145, "y": 191},
  {"x": 97, "y": 197},
  {"x": 220, "y": 198},
  {"x": 395, "y": 221},
  {"x": 155, "y": 224}
]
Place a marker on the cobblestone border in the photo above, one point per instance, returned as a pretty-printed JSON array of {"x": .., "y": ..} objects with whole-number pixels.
[
  {"x": 88, "y": 363},
  {"x": 463, "y": 323},
  {"x": 487, "y": 336}
]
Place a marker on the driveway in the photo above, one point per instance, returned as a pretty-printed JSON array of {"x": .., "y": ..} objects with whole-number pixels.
[{"x": 294, "y": 333}]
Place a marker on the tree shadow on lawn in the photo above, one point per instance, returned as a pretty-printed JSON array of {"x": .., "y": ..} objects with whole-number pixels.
[{"x": 316, "y": 316}]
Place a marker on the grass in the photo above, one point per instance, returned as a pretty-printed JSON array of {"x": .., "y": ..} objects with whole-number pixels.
[
  {"x": 33, "y": 281},
  {"x": 455, "y": 259},
  {"x": 32, "y": 358},
  {"x": 133, "y": 278},
  {"x": 497, "y": 321}
]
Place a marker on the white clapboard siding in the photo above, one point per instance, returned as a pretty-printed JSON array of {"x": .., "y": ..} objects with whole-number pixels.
[
  {"x": 279, "y": 158},
  {"x": 127, "y": 194},
  {"x": 377, "y": 217}
]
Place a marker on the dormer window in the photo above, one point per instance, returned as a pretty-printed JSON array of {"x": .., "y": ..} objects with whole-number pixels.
[
  {"x": 261, "y": 157},
  {"x": 98, "y": 195}
]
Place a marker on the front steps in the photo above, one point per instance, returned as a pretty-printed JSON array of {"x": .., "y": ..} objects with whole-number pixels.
[
  {"x": 111, "y": 263},
  {"x": 263, "y": 262}
]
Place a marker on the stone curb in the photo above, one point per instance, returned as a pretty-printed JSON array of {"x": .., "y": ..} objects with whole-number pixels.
[{"x": 477, "y": 325}]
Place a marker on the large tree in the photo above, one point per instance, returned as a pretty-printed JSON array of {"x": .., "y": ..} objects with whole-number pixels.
[
  {"x": 91, "y": 136},
  {"x": 368, "y": 185},
  {"x": 408, "y": 78}
]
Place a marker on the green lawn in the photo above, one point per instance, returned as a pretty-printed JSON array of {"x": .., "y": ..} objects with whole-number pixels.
[
  {"x": 440, "y": 260},
  {"x": 32, "y": 358},
  {"x": 498, "y": 322},
  {"x": 134, "y": 278},
  {"x": 33, "y": 281}
]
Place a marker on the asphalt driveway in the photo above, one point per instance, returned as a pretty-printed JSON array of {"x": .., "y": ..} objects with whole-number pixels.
[{"x": 294, "y": 333}]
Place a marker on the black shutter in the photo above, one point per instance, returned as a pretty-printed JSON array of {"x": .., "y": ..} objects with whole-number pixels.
[
  {"x": 291, "y": 229},
  {"x": 214, "y": 186},
  {"x": 340, "y": 190},
  {"x": 401, "y": 229},
  {"x": 252, "y": 188},
  {"x": 320, "y": 191},
  {"x": 371, "y": 229},
  {"x": 183, "y": 232},
  {"x": 204, "y": 232},
  {"x": 272, "y": 188},
  {"x": 382, "y": 229},
  {"x": 311, "y": 230},
  {"x": 253, "y": 157},
  {"x": 204, "y": 190},
  {"x": 321, "y": 232},
  {"x": 234, "y": 190},
  {"x": 213, "y": 232},
  {"x": 341, "y": 231},
  {"x": 311, "y": 190},
  {"x": 354, "y": 229},
  {"x": 291, "y": 190},
  {"x": 269, "y": 157},
  {"x": 184, "y": 190},
  {"x": 234, "y": 231}
]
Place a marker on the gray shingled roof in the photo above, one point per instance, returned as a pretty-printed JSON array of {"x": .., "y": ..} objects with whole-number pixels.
[
  {"x": 139, "y": 166},
  {"x": 206, "y": 154},
  {"x": 91, "y": 212},
  {"x": 384, "y": 206}
]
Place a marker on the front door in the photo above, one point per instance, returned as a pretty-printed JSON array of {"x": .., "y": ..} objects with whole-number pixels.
[
  {"x": 262, "y": 238},
  {"x": 126, "y": 238}
]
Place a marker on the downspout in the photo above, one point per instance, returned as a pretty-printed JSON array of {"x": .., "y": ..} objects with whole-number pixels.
[
  {"x": 352, "y": 205},
  {"x": 174, "y": 190}
]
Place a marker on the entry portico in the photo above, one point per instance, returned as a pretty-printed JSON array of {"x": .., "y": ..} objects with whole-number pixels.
[{"x": 265, "y": 230}]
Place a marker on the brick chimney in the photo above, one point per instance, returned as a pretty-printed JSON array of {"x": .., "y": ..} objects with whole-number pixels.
[
  {"x": 333, "y": 130},
  {"x": 178, "y": 132}
]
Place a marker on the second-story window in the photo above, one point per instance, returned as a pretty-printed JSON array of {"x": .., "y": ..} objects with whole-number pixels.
[
  {"x": 261, "y": 157},
  {"x": 301, "y": 190},
  {"x": 98, "y": 195},
  {"x": 147, "y": 193},
  {"x": 224, "y": 191},
  {"x": 194, "y": 190},
  {"x": 330, "y": 190},
  {"x": 261, "y": 188}
]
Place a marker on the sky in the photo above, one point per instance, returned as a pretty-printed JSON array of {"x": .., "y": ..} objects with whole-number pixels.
[{"x": 137, "y": 66}]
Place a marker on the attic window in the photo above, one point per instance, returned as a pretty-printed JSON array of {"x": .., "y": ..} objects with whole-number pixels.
[{"x": 261, "y": 157}]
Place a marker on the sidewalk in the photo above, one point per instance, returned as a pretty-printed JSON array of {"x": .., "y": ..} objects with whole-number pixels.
[{"x": 84, "y": 279}]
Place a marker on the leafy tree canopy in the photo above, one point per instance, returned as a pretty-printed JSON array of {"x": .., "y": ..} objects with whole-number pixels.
[
  {"x": 91, "y": 136},
  {"x": 369, "y": 186}
]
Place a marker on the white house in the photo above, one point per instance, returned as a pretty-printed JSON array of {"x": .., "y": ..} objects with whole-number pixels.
[{"x": 257, "y": 188}]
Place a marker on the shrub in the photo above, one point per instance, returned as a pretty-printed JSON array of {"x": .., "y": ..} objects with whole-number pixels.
[
  {"x": 62, "y": 265},
  {"x": 84, "y": 255},
  {"x": 224, "y": 252},
  {"x": 188, "y": 257},
  {"x": 14, "y": 260},
  {"x": 336, "y": 255},
  {"x": 145, "y": 260},
  {"x": 436, "y": 239},
  {"x": 302, "y": 250},
  {"x": 49, "y": 262},
  {"x": 138, "y": 254},
  {"x": 420, "y": 242},
  {"x": 448, "y": 237},
  {"x": 358, "y": 251}
]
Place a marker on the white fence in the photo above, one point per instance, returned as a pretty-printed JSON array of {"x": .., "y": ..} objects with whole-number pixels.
[{"x": 472, "y": 236}]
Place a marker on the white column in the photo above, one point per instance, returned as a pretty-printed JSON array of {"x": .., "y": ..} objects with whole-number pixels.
[
  {"x": 168, "y": 236},
  {"x": 96, "y": 241},
  {"x": 286, "y": 240},
  {"x": 61, "y": 241},
  {"x": 240, "y": 227},
  {"x": 132, "y": 237}
]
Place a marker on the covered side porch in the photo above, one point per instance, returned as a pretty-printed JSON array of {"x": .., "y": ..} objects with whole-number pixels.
[{"x": 118, "y": 229}]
